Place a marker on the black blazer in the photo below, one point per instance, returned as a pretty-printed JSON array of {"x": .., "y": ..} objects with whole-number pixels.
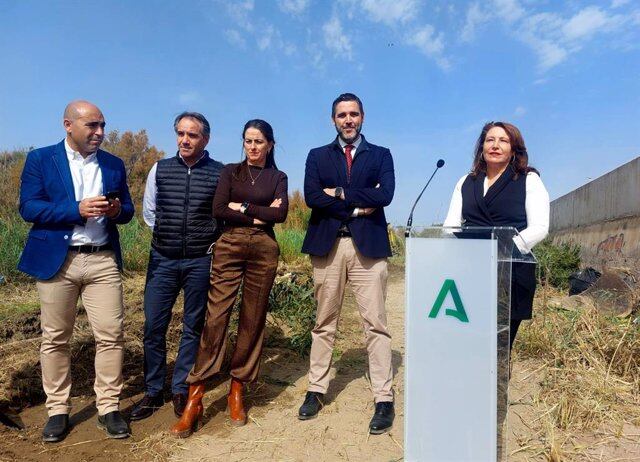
[{"x": 326, "y": 167}]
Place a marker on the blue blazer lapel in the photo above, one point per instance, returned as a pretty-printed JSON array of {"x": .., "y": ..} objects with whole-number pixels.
[
  {"x": 62, "y": 165},
  {"x": 105, "y": 170},
  {"x": 362, "y": 157},
  {"x": 337, "y": 157}
]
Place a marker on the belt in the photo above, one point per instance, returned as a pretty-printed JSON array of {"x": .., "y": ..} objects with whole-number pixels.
[
  {"x": 344, "y": 233},
  {"x": 88, "y": 248}
]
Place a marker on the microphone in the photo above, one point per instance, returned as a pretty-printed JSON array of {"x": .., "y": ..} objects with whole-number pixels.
[{"x": 407, "y": 230}]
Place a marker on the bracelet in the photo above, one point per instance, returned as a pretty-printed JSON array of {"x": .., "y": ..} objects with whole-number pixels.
[{"x": 244, "y": 206}]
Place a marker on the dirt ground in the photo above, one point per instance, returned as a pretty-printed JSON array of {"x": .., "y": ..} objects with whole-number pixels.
[{"x": 274, "y": 433}]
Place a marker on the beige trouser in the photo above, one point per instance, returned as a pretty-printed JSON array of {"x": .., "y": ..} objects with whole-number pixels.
[
  {"x": 96, "y": 279},
  {"x": 368, "y": 278}
]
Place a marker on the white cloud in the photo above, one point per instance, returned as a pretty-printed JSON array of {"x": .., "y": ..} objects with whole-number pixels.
[
  {"x": 510, "y": 10},
  {"x": 293, "y": 7},
  {"x": 239, "y": 12},
  {"x": 235, "y": 38},
  {"x": 249, "y": 27},
  {"x": 401, "y": 17},
  {"x": 429, "y": 43},
  {"x": 314, "y": 53},
  {"x": 587, "y": 22},
  {"x": 475, "y": 16},
  {"x": 618, "y": 3},
  {"x": 481, "y": 13},
  {"x": 390, "y": 12},
  {"x": 541, "y": 33},
  {"x": 519, "y": 111},
  {"x": 336, "y": 40},
  {"x": 265, "y": 38},
  {"x": 551, "y": 36}
]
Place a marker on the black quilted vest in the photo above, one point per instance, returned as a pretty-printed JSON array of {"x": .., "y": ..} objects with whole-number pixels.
[{"x": 184, "y": 226}]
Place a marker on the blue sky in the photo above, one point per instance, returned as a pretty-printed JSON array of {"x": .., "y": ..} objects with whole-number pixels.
[{"x": 429, "y": 74}]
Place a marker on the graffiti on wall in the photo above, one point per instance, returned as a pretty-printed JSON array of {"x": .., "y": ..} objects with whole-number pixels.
[{"x": 613, "y": 243}]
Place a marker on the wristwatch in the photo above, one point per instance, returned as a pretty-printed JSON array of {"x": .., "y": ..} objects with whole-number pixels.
[
  {"x": 339, "y": 191},
  {"x": 243, "y": 207}
]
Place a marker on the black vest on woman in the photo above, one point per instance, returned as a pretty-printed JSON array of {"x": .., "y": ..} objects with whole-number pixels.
[
  {"x": 503, "y": 205},
  {"x": 184, "y": 226}
]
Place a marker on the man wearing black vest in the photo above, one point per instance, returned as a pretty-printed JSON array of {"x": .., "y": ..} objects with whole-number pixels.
[{"x": 178, "y": 203}]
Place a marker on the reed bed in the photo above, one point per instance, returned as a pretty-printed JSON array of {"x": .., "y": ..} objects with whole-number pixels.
[{"x": 590, "y": 380}]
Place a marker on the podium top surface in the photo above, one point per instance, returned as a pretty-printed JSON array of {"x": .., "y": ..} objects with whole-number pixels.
[{"x": 504, "y": 235}]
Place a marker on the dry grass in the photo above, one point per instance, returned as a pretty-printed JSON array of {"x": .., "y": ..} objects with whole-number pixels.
[
  {"x": 155, "y": 447},
  {"x": 590, "y": 381}
]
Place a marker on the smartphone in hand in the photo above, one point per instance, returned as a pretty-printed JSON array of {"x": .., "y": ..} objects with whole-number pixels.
[{"x": 113, "y": 195}]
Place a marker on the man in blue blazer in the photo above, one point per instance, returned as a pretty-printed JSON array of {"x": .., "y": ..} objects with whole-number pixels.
[
  {"x": 347, "y": 184},
  {"x": 75, "y": 194}
]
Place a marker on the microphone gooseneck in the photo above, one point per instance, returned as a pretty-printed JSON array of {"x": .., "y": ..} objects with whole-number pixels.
[{"x": 407, "y": 230}]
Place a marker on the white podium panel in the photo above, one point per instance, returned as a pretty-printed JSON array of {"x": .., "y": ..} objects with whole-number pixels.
[{"x": 451, "y": 342}]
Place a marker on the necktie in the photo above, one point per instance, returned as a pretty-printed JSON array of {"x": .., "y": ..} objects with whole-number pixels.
[{"x": 347, "y": 154}]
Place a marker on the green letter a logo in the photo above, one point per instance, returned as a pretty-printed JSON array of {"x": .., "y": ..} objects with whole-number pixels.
[{"x": 449, "y": 286}]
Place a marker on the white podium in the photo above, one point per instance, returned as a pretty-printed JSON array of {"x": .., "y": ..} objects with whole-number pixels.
[{"x": 458, "y": 297}]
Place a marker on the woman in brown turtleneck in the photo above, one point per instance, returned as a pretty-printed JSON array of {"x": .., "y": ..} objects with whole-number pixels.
[{"x": 251, "y": 196}]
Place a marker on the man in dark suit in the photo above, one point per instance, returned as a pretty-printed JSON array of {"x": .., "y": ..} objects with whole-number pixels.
[
  {"x": 347, "y": 183},
  {"x": 75, "y": 194}
]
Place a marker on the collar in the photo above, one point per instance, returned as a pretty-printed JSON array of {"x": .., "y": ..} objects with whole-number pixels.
[
  {"x": 75, "y": 155},
  {"x": 355, "y": 144},
  {"x": 205, "y": 153}
]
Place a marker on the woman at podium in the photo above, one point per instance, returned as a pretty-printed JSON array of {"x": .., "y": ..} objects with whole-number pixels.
[{"x": 503, "y": 190}]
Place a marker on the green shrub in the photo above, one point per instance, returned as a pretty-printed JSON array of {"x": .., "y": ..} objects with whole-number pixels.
[
  {"x": 557, "y": 262},
  {"x": 290, "y": 242},
  {"x": 13, "y": 234},
  {"x": 135, "y": 239},
  {"x": 293, "y": 308}
]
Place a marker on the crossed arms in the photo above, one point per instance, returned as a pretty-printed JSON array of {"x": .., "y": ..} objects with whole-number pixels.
[{"x": 317, "y": 195}]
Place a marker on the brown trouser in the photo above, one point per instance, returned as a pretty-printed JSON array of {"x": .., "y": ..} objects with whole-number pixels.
[
  {"x": 368, "y": 278},
  {"x": 240, "y": 252},
  {"x": 96, "y": 279}
]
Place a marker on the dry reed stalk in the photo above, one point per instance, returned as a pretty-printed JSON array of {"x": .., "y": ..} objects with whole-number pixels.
[{"x": 592, "y": 380}]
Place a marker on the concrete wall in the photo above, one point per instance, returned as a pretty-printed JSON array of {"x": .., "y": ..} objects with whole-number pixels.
[
  {"x": 603, "y": 217},
  {"x": 612, "y": 196}
]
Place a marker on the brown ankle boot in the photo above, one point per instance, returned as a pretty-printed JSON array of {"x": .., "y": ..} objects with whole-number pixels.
[
  {"x": 237, "y": 413},
  {"x": 192, "y": 415}
]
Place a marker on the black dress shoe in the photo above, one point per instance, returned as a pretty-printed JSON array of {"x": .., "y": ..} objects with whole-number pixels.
[
  {"x": 56, "y": 428},
  {"x": 312, "y": 404},
  {"x": 114, "y": 425},
  {"x": 147, "y": 406},
  {"x": 382, "y": 418},
  {"x": 179, "y": 402}
]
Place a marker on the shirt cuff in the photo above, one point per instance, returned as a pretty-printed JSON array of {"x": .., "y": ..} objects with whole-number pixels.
[
  {"x": 521, "y": 245},
  {"x": 355, "y": 212}
]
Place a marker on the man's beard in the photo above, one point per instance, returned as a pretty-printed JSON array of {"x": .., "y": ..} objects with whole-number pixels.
[{"x": 351, "y": 140}]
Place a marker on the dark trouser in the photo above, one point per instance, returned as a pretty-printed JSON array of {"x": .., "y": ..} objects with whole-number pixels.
[
  {"x": 240, "y": 252},
  {"x": 165, "y": 278},
  {"x": 513, "y": 331}
]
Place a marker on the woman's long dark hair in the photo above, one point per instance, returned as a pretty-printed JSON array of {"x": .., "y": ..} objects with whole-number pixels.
[
  {"x": 240, "y": 172},
  {"x": 520, "y": 159}
]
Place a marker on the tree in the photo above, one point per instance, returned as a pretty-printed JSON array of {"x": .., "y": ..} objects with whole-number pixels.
[
  {"x": 138, "y": 158},
  {"x": 11, "y": 163}
]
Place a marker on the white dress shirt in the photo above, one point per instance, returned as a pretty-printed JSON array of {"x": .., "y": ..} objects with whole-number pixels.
[
  {"x": 87, "y": 182},
  {"x": 149, "y": 199},
  {"x": 536, "y": 207}
]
